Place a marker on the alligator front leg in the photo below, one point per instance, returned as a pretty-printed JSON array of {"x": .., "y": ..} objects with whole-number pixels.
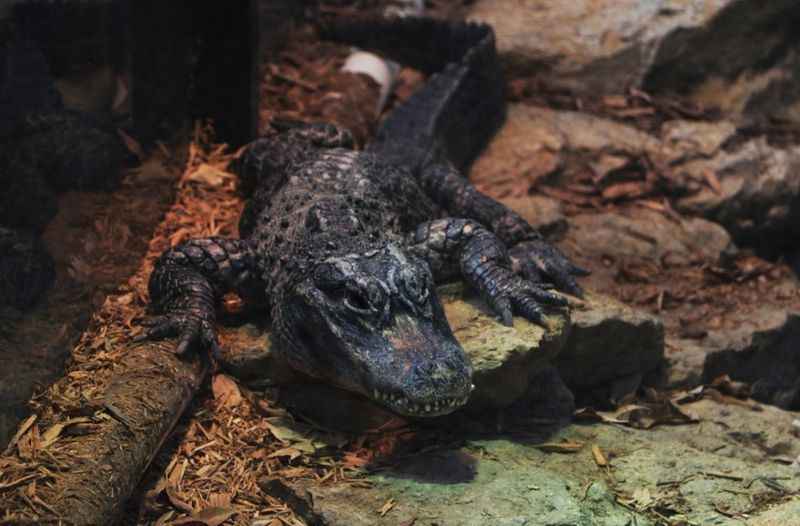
[
  {"x": 464, "y": 247},
  {"x": 187, "y": 283},
  {"x": 532, "y": 256}
]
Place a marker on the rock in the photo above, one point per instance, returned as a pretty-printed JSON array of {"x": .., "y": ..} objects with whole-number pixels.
[
  {"x": 548, "y": 398},
  {"x": 608, "y": 342},
  {"x": 702, "y": 49},
  {"x": 543, "y": 213},
  {"x": 503, "y": 358},
  {"x": 686, "y": 359},
  {"x": 649, "y": 234},
  {"x": 695, "y": 473},
  {"x": 758, "y": 199},
  {"x": 764, "y": 351},
  {"x": 582, "y": 39},
  {"x": 503, "y": 485}
]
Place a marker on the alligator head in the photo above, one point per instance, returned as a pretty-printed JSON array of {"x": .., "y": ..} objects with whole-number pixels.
[{"x": 372, "y": 323}]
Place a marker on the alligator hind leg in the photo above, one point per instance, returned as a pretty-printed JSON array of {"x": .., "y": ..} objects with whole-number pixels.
[
  {"x": 532, "y": 256},
  {"x": 187, "y": 283},
  {"x": 464, "y": 247}
]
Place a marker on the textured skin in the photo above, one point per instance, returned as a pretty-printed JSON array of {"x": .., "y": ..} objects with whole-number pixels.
[
  {"x": 44, "y": 149},
  {"x": 345, "y": 246}
]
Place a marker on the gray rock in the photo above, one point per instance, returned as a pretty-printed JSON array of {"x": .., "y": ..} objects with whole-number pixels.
[
  {"x": 759, "y": 196},
  {"x": 579, "y": 40},
  {"x": 764, "y": 351},
  {"x": 649, "y": 234},
  {"x": 608, "y": 342},
  {"x": 685, "y": 359},
  {"x": 701, "y": 49},
  {"x": 504, "y": 359}
]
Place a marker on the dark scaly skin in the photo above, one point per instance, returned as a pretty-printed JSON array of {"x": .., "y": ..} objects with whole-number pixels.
[{"x": 346, "y": 248}]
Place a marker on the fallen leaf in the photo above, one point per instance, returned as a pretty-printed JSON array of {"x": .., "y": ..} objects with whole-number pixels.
[
  {"x": 226, "y": 391},
  {"x": 730, "y": 387},
  {"x": 566, "y": 446},
  {"x": 176, "y": 499},
  {"x": 209, "y": 176},
  {"x": 642, "y": 498},
  {"x": 599, "y": 458},
  {"x": 290, "y": 452},
  {"x": 213, "y": 516},
  {"x": 713, "y": 181},
  {"x": 615, "y": 101},
  {"x": 23, "y": 428},
  {"x": 607, "y": 164},
  {"x": 50, "y": 436},
  {"x": 387, "y": 507}
]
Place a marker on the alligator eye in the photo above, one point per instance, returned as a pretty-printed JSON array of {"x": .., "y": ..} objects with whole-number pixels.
[{"x": 355, "y": 300}]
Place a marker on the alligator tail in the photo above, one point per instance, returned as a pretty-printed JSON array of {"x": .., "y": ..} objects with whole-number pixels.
[{"x": 455, "y": 113}]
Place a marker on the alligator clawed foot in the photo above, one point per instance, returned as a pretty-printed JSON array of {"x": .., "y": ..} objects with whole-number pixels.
[
  {"x": 193, "y": 332},
  {"x": 538, "y": 261}
]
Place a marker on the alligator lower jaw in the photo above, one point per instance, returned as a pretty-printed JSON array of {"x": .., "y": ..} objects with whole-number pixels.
[{"x": 406, "y": 407}]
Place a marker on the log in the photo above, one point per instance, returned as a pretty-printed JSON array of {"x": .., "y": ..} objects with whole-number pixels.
[{"x": 79, "y": 457}]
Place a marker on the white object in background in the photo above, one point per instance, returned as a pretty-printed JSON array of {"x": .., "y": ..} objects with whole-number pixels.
[
  {"x": 405, "y": 8},
  {"x": 382, "y": 71}
]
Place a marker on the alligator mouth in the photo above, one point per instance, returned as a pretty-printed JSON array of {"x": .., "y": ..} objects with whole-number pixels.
[{"x": 404, "y": 406}]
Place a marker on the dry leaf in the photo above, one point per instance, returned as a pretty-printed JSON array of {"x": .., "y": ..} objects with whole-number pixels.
[
  {"x": 209, "y": 176},
  {"x": 730, "y": 387},
  {"x": 290, "y": 452},
  {"x": 599, "y": 458},
  {"x": 23, "y": 428},
  {"x": 386, "y": 508},
  {"x": 566, "y": 446},
  {"x": 615, "y": 101},
  {"x": 226, "y": 391},
  {"x": 642, "y": 498},
  {"x": 213, "y": 516},
  {"x": 50, "y": 436},
  {"x": 176, "y": 499}
]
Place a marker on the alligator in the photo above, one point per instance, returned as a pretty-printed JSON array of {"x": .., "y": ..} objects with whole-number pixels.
[
  {"x": 345, "y": 247},
  {"x": 45, "y": 149}
]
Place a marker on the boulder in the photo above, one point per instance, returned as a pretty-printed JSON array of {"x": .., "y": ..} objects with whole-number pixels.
[
  {"x": 648, "y": 234},
  {"x": 764, "y": 351},
  {"x": 758, "y": 198},
  {"x": 701, "y": 49},
  {"x": 609, "y": 343}
]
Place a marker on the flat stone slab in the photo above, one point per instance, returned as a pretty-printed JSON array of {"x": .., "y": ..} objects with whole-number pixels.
[{"x": 728, "y": 467}]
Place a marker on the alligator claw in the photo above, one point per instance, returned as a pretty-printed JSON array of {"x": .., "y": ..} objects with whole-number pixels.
[
  {"x": 538, "y": 260},
  {"x": 193, "y": 332}
]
